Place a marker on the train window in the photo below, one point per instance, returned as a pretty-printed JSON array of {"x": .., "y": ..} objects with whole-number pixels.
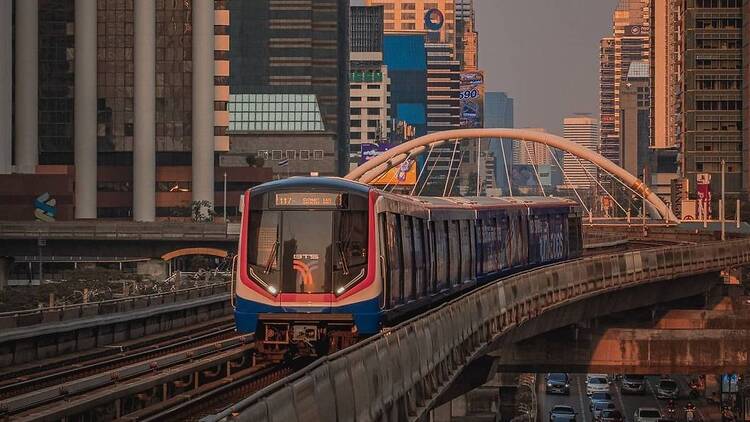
[
  {"x": 454, "y": 248},
  {"x": 394, "y": 259},
  {"x": 465, "y": 240},
  {"x": 419, "y": 257},
  {"x": 407, "y": 243},
  {"x": 502, "y": 233},
  {"x": 350, "y": 249},
  {"x": 306, "y": 253},
  {"x": 429, "y": 241},
  {"x": 490, "y": 245},
  {"x": 478, "y": 227},
  {"x": 513, "y": 240},
  {"x": 472, "y": 249},
  {"x": 441, "y": 259},
  {"x": 263, "y": 248}
]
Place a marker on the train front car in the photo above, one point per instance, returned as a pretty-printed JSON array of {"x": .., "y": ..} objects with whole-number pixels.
[{"x": 306, "y": 267}]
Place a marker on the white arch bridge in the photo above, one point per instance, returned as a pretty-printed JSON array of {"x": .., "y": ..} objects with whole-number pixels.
[{"x": 376, "y": 167}]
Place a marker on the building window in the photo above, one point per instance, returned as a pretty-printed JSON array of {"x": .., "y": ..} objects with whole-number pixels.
[
  {"x": 408, "y": 26},
  {"x": 291, "y": 154},
  {"x": 356, "y": 111},
  {"x": 304, "y": 154},
  {"x": 263, "y": 154},
  {"x": 318, "y": 154},
  {"x": 276, "y": 155},
  {"x": 274, "y": 113}
]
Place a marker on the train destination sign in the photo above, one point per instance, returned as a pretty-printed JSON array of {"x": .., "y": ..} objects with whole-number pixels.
[{"x": 308, "y": 199}]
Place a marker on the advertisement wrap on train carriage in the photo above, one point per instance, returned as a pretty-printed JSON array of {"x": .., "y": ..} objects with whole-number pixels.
[{"x": 548, "y": 231}]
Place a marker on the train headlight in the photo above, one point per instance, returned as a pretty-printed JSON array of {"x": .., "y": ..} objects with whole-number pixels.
[
  {"x": 272, "y": 290},
  {"x": 340, "y": 290}
]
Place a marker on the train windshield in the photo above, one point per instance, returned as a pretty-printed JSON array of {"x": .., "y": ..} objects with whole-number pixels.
[{"x": 307, "y": 251}]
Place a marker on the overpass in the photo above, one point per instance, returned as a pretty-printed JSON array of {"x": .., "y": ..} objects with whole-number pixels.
[
  {"x": 149, "y": 245},
  {"x": 402, "y": 373}
]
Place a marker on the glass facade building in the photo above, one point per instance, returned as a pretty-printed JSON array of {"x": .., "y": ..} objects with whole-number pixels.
[
  {"x": 406, "y": 58},
  {"x": 289, "y": 47},
  {"x": 498, "y": 113}
]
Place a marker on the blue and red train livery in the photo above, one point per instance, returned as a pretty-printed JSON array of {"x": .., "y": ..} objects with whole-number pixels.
[{"x": 323, "y": 261}]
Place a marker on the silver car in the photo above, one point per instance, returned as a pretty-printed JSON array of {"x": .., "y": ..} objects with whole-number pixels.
[{"x": 633, "y": 384}]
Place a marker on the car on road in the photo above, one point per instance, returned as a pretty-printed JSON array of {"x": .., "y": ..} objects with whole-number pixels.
[
  {"x": 562, "y": 413},
  {"x": 605, "y": 376},
  {"x": 646, "y": 414},
  {"x": 597, "y": 385},
  {"x": 667, "y": 389},
  {"x": 557, "y": 383},
  {"x": 600, "y": 406},
  {"x": 612, "y": 415},
  {"x": 600, "y": 396},
  {"x": 633, "y": 384}
]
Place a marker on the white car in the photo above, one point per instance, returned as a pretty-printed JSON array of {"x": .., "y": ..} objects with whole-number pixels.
[
  {"x": 596, "y": 385},
  {"x": 646, "y": 414},
  {"x": 605, "y": 376}
]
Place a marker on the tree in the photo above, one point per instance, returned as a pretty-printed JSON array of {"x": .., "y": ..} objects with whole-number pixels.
[{"x": 203, "y": 211}]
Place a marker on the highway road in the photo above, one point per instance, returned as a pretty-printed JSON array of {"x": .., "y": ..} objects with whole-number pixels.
[{"x": 626, "y": 403}]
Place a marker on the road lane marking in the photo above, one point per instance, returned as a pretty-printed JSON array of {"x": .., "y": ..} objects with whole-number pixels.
[
  {"x": 581, "y": 393},
  {"x": 653, "y": 393}
]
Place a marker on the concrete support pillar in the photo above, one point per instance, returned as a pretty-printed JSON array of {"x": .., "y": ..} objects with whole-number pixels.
[
  {"x": 6, "y": 86},
  {"x": 144, "y": 144},
  {"x": 5, "y": 264},
  {"x": 85, "y": 108},
  {"x": 27, "y": 86},
  {"x": 203, "y": 101}
]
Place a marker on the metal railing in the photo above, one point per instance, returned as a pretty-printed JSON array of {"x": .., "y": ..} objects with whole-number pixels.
[
  {"x": 399, "y": 373},
  {"x": 29, "y": 317},
  {"x": 123, "y": 230}
]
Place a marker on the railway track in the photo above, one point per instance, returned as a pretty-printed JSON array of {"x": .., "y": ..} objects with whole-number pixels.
[
  {"x": 16, "y": 381},
  {"x": 111, "y": 393}
]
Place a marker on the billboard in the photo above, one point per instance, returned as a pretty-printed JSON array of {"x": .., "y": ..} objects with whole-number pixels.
[
  {"x": 703, "y": 190},
  {"x": 403, "y": 174},
  {"x": 472, "y": 99}
]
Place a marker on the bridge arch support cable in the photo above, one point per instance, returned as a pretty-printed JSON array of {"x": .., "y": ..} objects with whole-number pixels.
[{"x": 375, "y": 167}]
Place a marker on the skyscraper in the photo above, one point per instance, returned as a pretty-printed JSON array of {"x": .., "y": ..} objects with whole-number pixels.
[
  {"x": 405, "y": 56},
  {"x": 666, "y": 71},
  {"x": 290, "y": 84},
  {"x": 132, "y": 93},
  {"x": 369, "y": 80},
  {"x": 711, "y": 129},
  {"x": 635, "y": 129},
  {"x": 438, "y": 17},
  {"x": 629, "y": 42},
  {"x": 498, "y": 113},
  {"x": 578, "y": 173}
]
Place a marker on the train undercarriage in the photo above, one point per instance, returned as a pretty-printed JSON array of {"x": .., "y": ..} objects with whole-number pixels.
[{"x": 285, "y": 336}]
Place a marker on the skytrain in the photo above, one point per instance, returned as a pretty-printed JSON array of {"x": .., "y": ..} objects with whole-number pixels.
[{"x": 325, "y": 261}]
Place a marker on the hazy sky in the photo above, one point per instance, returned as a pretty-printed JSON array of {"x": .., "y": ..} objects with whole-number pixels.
[{"x": 544, "y": 54}]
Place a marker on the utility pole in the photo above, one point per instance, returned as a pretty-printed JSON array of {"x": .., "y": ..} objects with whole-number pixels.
[{"x": 225, "y": 197}]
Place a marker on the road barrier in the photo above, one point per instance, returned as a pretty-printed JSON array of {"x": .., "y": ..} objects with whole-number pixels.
[{"x": 399, "y": 373}]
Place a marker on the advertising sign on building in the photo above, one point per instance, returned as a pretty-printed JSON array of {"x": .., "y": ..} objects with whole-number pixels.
[
  {"x": 472, "y": 99},
  {"x": 403, "y": 174},
  {"x": 703, "y": 190}
]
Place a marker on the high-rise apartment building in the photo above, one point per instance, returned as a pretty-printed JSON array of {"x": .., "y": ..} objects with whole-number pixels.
[
  {"x": 629, "y": 42},
  {"x": 369, "y": 81},
  {"x": 712, "y": 94},
  {"x": 607, "y": 115},
  {"x": 437, "y": 17},
  {"x": 578, "y": 173},
  {"x": 531, "y": 153},
  {"x": 443, "y": 107},
  {"x": 130, "y": 94},
  {"x": 635, "y": 127},
  {"x": 290, "y": 85},
  {"x": 666, "y": 73}
]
